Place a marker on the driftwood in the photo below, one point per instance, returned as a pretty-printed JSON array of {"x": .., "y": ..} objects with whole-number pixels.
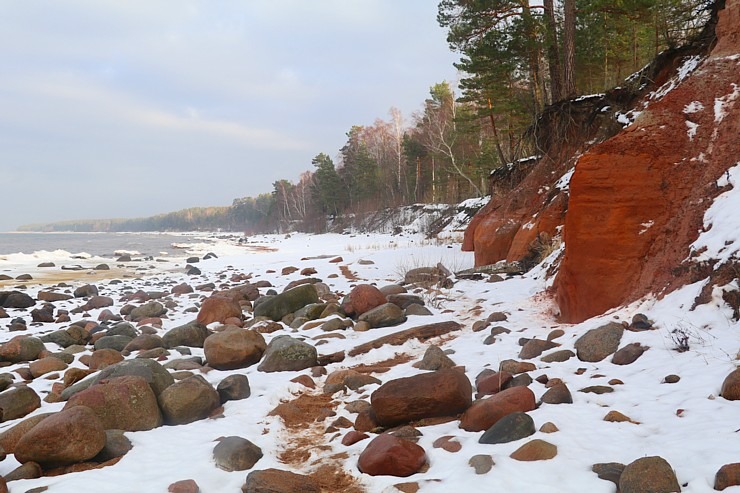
[{"x": 422, "y": 333}]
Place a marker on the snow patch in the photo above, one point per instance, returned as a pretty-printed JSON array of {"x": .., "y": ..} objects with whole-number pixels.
[
  {"x": 645, "y": 226},
  {"x": 564, "y": 181},
  {"x": 721, "y": 238},
  {"x": 688, "y": 66},
  {"x": 693, "y": 127},
  {"x": 722, "y": 104},
  {"x": 693, "y": 107}
]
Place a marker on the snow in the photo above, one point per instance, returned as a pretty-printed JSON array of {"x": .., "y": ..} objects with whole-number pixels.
[
  {"x": 722, "y": 103},
  {"x": 645, "y": 226},
  {"x": 705, "y": 428},
  {"x": 688, "y": 66},
  {"x": 693, "y": 107},
  {"x": 692, "y": 128},
  {"x": 564, "y": 182},
  {"x": 722, "y": 222}
]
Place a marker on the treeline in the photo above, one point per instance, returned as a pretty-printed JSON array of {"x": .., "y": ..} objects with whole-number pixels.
[
  {"x": 192, "y": 219},
  {"x": 515, "y": 60}
]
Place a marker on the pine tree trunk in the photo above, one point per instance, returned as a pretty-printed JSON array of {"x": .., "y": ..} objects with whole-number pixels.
[
  {"x": 569, "y": 48},
  {"x": 553, "y": 53}
]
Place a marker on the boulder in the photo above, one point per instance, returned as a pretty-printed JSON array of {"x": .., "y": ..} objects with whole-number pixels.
[
  {"x": 192, "y": 334},
  {"x": 387, "y": 455},
  {"x": 147, "y": 310},
  {"x": 188, "y": 400},
  {"x": 535, "y": 450},
  {"x": 279, "y": 481},
  {"x": 362, "y": 298},
  {"x": 218, "y": 309},
  {"x": 18, "y": 402},
  {"x": 234, "y": 348},
  {"x": 9, "y": 437},
  {"x": 16, "y": 299},
  {"x": 101, "y": 358},
  {"x": 233, "y": 388},
  {"x": 122, "y": 329},
  {"x": 648, "y": 475},
  {"x": 535, "y": 347},
  {"x": 21, "y": 348},
  {"x": 434, "y": 359},
  {"x": 731, "y": 386},
  {"x": 46, "y": 365},
  {"x": 117, "y": 342},
  {"x": 489, "y": 382},
  {"x": 96, "y": 302},
  {"x": 557, "y": 394},
  {"x": 276, "y": 307},
  {"x": 51, "y": 296},
  {"x": 511, "y": 427},
  {"x": 728, "y": 475},
  {"x": 285, "y": 353},
  {"x": 385, "y": 315},
  {"x": 236, "y": 454},
  {"x": 558, "y": 356},
  {"x": 597, "y": 344},
  {"x": 155, "y": 374},
  {"x": 86, "y": 291},
  {"x": 66, "y": 337},
  {"x": 427, "y": 395},
  {"x": 184, "y": 486},
  {"x": 628, "y": 354},
  {"x": 67, "y": 437},
  {"x": 485, "y": 413},
  {"x": 122, "y": 403},
  {"x": 116, "y": 445}
]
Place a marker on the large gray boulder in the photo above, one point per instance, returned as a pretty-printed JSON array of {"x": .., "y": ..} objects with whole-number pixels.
[
  {"x": 597, "y": 344},
  {"x": 285, "y": 353},
  {"x": 276, "y": 307},
  {"x": 191, "y": 334}
]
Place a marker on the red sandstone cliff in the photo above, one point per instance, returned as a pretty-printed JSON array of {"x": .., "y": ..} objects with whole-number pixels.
[{"x": 636, "y": 201}]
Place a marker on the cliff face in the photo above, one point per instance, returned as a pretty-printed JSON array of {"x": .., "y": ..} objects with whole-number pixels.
[{"x": 636, "y": 200}]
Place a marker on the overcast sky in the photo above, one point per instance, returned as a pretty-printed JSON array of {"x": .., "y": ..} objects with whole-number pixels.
[{"x": 133, "y": 108}]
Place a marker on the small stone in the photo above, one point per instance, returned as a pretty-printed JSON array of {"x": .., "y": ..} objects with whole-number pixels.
[
  {"x": 535, "y": 450},
  {"x": 671, "y": 378},
  {"x": 609, "y": 471},
  {"x": 617, "y": 417},
  {"x": 514, "y": 426},
  {"x": 184, "y": 486},
  {"x": 731, "y": 386},
  {"x": 597, "y": 389},
  {"x": 628, "y": 354},
  {"x": 448, "y": 443},
  {"x": 515, "y": 367},
  {"x": 481, "y": 463},
  {"x": 549, "y": 427},
  {"x": 353, "y": 437},
  {"x": 558, "y": 394},
  {"x": 434, "y": 359}
]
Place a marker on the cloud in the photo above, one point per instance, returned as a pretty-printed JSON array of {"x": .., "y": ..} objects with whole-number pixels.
[{"x": 238, "y": 94}]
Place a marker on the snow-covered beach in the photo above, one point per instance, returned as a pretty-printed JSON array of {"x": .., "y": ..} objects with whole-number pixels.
[{"x": 687, "y": 422}]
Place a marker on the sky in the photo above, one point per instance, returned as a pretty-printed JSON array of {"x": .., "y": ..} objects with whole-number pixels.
[{"x": 129, "y": 109}]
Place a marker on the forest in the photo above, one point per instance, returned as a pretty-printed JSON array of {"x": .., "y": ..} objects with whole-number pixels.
[{"x": 516, "y": 60}]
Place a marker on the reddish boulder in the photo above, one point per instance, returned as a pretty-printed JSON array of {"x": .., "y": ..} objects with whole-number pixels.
[
  {"x": 46, "y": 365},
  {"x": 731, "y": 386},
  {"x": 104, "y": 357},
  {"x": 278, "y": 481},
  {"x": 387, "y": 455},
  {"x": 184, "y": 486},
  {"x": 218, "y": 309},
  {"x": 728, "y": 475},
  {"x": 486, "y": 412},
  {"x": 427, "y": 395},
  {"x": 122, "y": 403},
  {"x": 67, "y": 437},
  {"x": 361, "y": 299},
  {"x": 18, "y": 402},
  {"x": 234, "y": 348},
  {"x": 21, "y": 348},
  {"x": 493, "y": 382}
]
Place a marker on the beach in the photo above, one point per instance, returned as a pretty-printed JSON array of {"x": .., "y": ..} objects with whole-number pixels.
[{"x": 677, "y": 421}]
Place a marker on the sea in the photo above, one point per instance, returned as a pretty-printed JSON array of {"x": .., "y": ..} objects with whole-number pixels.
[{"x": 98, "y": 244}]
